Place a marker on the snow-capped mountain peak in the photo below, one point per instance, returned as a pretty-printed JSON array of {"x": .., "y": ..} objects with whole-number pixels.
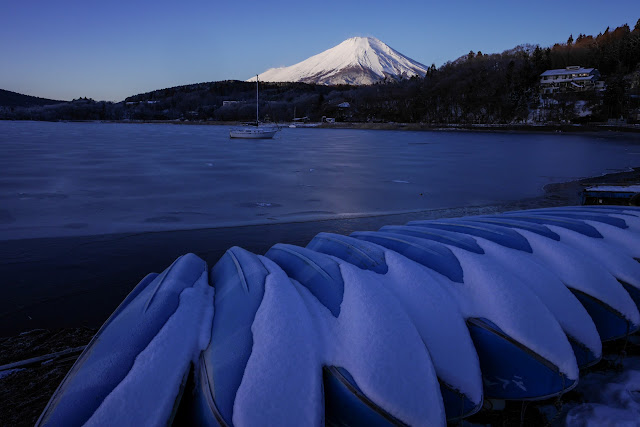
[{"x": 358, "y": 60}]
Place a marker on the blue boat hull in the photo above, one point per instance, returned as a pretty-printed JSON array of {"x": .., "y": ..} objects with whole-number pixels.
[
  {"x": 320, "y": 286},
  {"x": 345, "y": 402},
  {"x": 371, "y": 257},
  {"x": 346, "y": 405},
  {"x": 501, "y": 356},
  {"x": 610, "y": 324},
  {"x": 511, "y": 371},
  {"x": 238, "y": 279},
  {"x": 112, "y": 352}
]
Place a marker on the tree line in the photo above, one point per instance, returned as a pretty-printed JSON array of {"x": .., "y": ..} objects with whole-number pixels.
[{"x": 475, "y": 88}]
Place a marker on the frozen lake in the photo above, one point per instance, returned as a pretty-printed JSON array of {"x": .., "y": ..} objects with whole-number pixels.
[{"x": 63, "y": 179}]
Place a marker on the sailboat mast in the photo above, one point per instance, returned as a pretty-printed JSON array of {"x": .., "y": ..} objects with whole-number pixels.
[{"x": 257, "y": 119}]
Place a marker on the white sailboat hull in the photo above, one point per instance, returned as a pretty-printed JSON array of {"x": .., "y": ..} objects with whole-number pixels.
[{"x": 255, "y": 133}]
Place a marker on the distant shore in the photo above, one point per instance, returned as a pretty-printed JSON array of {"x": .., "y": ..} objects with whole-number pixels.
[
  {"x": 479, "y": 127},
  {"x": 559, "y": 127},
  {"x": 443, "y": 127}
]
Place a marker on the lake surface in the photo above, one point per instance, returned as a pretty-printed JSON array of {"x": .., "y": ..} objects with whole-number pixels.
[
  {"x": 64, "y": 179},
  {"x": 66, "y": 188}
]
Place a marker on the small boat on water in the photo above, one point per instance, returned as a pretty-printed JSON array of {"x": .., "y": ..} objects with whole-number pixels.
[{"x": 255, "y": 130}]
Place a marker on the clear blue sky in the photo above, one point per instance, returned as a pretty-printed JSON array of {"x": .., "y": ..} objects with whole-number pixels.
[{"x": 108, "y": 50}]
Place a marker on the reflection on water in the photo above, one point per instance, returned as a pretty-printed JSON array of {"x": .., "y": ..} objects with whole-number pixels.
[{"x": 92, "y": 178}]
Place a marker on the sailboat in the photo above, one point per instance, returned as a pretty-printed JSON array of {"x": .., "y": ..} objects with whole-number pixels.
[{"x": 256, "y": 131}]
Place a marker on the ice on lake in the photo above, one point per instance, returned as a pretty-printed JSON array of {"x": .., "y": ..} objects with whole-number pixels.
[{"x": 62, "y": 179}]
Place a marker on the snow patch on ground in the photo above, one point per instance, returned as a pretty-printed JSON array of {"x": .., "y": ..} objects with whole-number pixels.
[
  {"x": 611, "y": 401},
  {"x": 581, "y": 108}
]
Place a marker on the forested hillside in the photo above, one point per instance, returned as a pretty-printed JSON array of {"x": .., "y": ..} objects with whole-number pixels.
[
  {"x": 505, "y": 87},
  {"x": 14, "y": 99},
  {"x": 476, "y": 88}
]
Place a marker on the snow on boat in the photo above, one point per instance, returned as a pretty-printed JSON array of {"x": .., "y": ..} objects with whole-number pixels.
[
  {"x": 409, "y": 325},
  {"x": 629, "y": 214},
  {"x": 517, "y": 360},
  {"x": 626, "y": 239},
  {"x": 570, "y": 314},
  {"x": 616, "y": 260},
  {"x": 386, "y": 373},
  {"x": 609, "y": 305},
  {"x": 259, "y": 366},
  {"x": 120, "y": 360},
  {"x": 615, "y": 243},
  {"x": 432, "y": 310}
]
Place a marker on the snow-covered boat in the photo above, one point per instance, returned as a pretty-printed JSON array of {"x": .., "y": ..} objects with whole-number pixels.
[
  {"x": 121, "y": 359},
  {"x": 605, "y": 299},
  {"x": 376, "y": 360},
  {"x": 256, "y": 366},
  {"x": 431, "y": 308},
  {"x": 413, "y": 324},
  {"x": 602, "y": 237},
  {"x": 516, "y": 361},
  {"x": 571, "y": 315}
]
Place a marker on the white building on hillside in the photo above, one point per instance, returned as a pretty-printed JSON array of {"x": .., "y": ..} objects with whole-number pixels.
[{"x": 570, "y": 79}]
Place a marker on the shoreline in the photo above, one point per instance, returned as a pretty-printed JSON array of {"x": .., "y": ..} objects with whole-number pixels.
[
  {"x": 488, "y": 127},
  {"x": 435, "y": 127}
]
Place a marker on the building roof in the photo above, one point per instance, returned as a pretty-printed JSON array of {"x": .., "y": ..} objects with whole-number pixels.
[{"x": 569, "y": 70}]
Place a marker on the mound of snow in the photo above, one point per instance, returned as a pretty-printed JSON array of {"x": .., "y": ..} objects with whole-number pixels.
[{"x": 611, "y": 401}]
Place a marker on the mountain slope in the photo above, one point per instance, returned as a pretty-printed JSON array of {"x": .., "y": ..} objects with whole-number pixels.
[
  {"x": 355, "y": 61},
  {"x": 14, "y": 99}
]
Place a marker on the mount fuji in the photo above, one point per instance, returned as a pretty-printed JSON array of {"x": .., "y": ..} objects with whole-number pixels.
[{"x": 355, "y": 61}]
